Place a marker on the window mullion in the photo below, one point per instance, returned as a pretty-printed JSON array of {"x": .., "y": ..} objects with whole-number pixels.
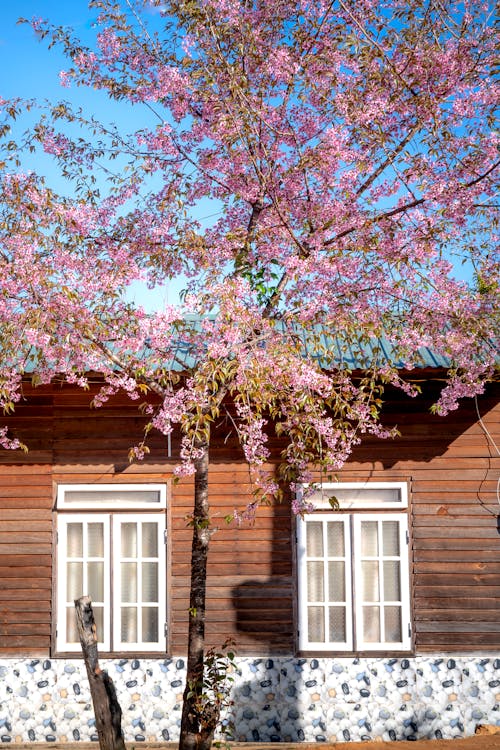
[
  {"x": 326, "y": 582},
  {"x": 381, "y": 584},
  {"x": 85, "y": 559},
  {"x": 140, "y": 599}
]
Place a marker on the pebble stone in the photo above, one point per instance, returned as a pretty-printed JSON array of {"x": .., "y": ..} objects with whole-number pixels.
[{"x": 275, "y": 699}]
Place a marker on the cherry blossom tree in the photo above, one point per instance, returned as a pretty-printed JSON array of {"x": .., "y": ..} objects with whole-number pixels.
[{"x": 350, "y": 155}]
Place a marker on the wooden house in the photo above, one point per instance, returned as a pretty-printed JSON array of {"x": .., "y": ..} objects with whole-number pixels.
[{"x": 381, "y": 619}]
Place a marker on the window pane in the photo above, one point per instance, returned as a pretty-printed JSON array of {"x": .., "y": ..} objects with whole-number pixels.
[
  {"x": 95, "y": 540},
  {"x": 393, "y": 627},
  {"x": 71, "y": 627},
  {"x": 150, "y": 540},
  {"x": 129, "y": 625},
  {"x": 75, "y": 539},
  {"x": 128, "y": 581},
  {"x": 350, "y": 496},
  {"x": 74, "y": 581},
  {"x": 337, "y": 629},
  {"x": 335, "y": 537},
  {"x": 149, "y": 582},
  {"x": 390, "y": 535},
  {"x": 371, "y": 587},
  {"x": 336, "y": 581},
  {"x": 150, "y": 625},
  {"x": 371, "y": 624},
  {"x": 95, "y": 573},
  {"x": 392, "y": 588},
  {"x": 129, "y": 539},
  {"x": 315, "y": 581},
  {"x": 102, "y": 496},
  {"x": 316, "y": 624},
  {"x": 369, "y": 538},
  {"x": 314, "y": 539},
  {"x": 99, "y": 622}
]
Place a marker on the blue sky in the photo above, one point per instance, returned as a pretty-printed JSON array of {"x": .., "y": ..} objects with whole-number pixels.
[{"x": 27, "y": 67}]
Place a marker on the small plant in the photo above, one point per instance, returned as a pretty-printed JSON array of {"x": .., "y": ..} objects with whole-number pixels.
[{"x": 211, "y": 691}]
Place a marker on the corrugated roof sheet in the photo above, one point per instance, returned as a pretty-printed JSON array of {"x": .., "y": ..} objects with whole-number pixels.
[{"x": 353, "y": 356}]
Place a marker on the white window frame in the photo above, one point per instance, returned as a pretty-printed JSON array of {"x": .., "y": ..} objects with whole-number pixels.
[
  {"x": 118, "y": 520},
  {"x": 97, "y": 496},
  {"x": 115, "y": 513},
  {"x": 63, "y": 522},
  {"x": 354, "y": 641},
  {"x": 404, "y": 572},
  {"x": 320, "y": 497},
  {"x": 302, "y": 558}
]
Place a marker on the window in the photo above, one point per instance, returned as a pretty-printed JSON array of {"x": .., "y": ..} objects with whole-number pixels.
[
  {"x": 353, "y": 570},
  {"x": 117, "y": 556}
]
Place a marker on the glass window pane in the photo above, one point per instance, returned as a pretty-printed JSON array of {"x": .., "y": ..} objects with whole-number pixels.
[
  {"x": 335, "y": 537},
  {"x": 369, "y": 538},
  {"x": 390, "y": 535},
  {"x": 371, "y": 624},
  {"x": 95, "y": 540},
  {"x": 392, "y": 588},
  {"x": 150, "y": 625},
  {"x": 129, "y": 624},
  {"x": 103, "y": 496},
  {"x": 352, "y": 497},
  {"x": 75, "y": 540},
  {"x": 393, "y": 626},
  {"x": 315, "y": 581},
  {"x": 129, "y": 540},
  {"x": 74, "y": 581},
  {"x": 314, "y": 539},
  {"x": 337, "y": 625},
  {"x": 150, "y": 540},
  {"x": 316, "y": 624},
  {"x": 371, "y": 587},
  {"x": 149, "y": 582},
  {"x": 336, "y": 581},
  {"x": 71, "y": 627},
  {"x": 99, "y": 622},
  {"x": 128, "y": 582},
  {"x": 95, "y": 573}
]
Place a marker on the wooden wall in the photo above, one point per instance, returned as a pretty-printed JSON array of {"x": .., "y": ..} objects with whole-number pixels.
[{"x": 451, "y": 466}]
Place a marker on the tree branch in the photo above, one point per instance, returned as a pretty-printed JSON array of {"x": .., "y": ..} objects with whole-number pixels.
[{"x": 406, "y": 207}]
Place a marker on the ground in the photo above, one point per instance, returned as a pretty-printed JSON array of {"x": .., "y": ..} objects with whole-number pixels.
[{"x": 478, "y": 742}]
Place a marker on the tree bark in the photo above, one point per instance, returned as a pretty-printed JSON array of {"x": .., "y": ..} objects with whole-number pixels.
[
  {"x": 197, "y": 732},
  {"x": 107, "y": 711}
]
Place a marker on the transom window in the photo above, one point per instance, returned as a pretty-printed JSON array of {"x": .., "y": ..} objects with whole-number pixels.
[
  {"x": 353, "y": 572},
  {"x": 118, "y": 558}
]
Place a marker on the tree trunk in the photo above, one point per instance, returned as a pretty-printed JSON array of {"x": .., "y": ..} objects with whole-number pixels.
[
  {"x": 107, "y": 711},
  {"x": 197, "y": 731}
]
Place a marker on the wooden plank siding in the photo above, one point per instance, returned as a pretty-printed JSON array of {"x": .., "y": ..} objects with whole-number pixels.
[{"x": 449, "y": 463}]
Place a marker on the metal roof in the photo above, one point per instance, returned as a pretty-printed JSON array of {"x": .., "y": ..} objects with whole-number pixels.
[{"x": 354, "y": 356}]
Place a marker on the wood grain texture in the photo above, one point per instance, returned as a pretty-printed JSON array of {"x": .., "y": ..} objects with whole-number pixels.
[{"x": 449, "y": 463}]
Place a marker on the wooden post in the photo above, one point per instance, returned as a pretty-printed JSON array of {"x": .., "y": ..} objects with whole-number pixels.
[{"x": 107, "y": 711}]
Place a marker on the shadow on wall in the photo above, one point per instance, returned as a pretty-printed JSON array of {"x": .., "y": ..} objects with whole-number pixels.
[{"x": 288, "y": 699}]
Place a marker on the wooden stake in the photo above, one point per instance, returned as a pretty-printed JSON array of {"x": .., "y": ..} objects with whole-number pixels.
[{"x": 107, "y": 711}]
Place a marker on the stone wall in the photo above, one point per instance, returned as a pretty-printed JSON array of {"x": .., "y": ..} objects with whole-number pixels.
[{"x": 275, "y": 699}]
